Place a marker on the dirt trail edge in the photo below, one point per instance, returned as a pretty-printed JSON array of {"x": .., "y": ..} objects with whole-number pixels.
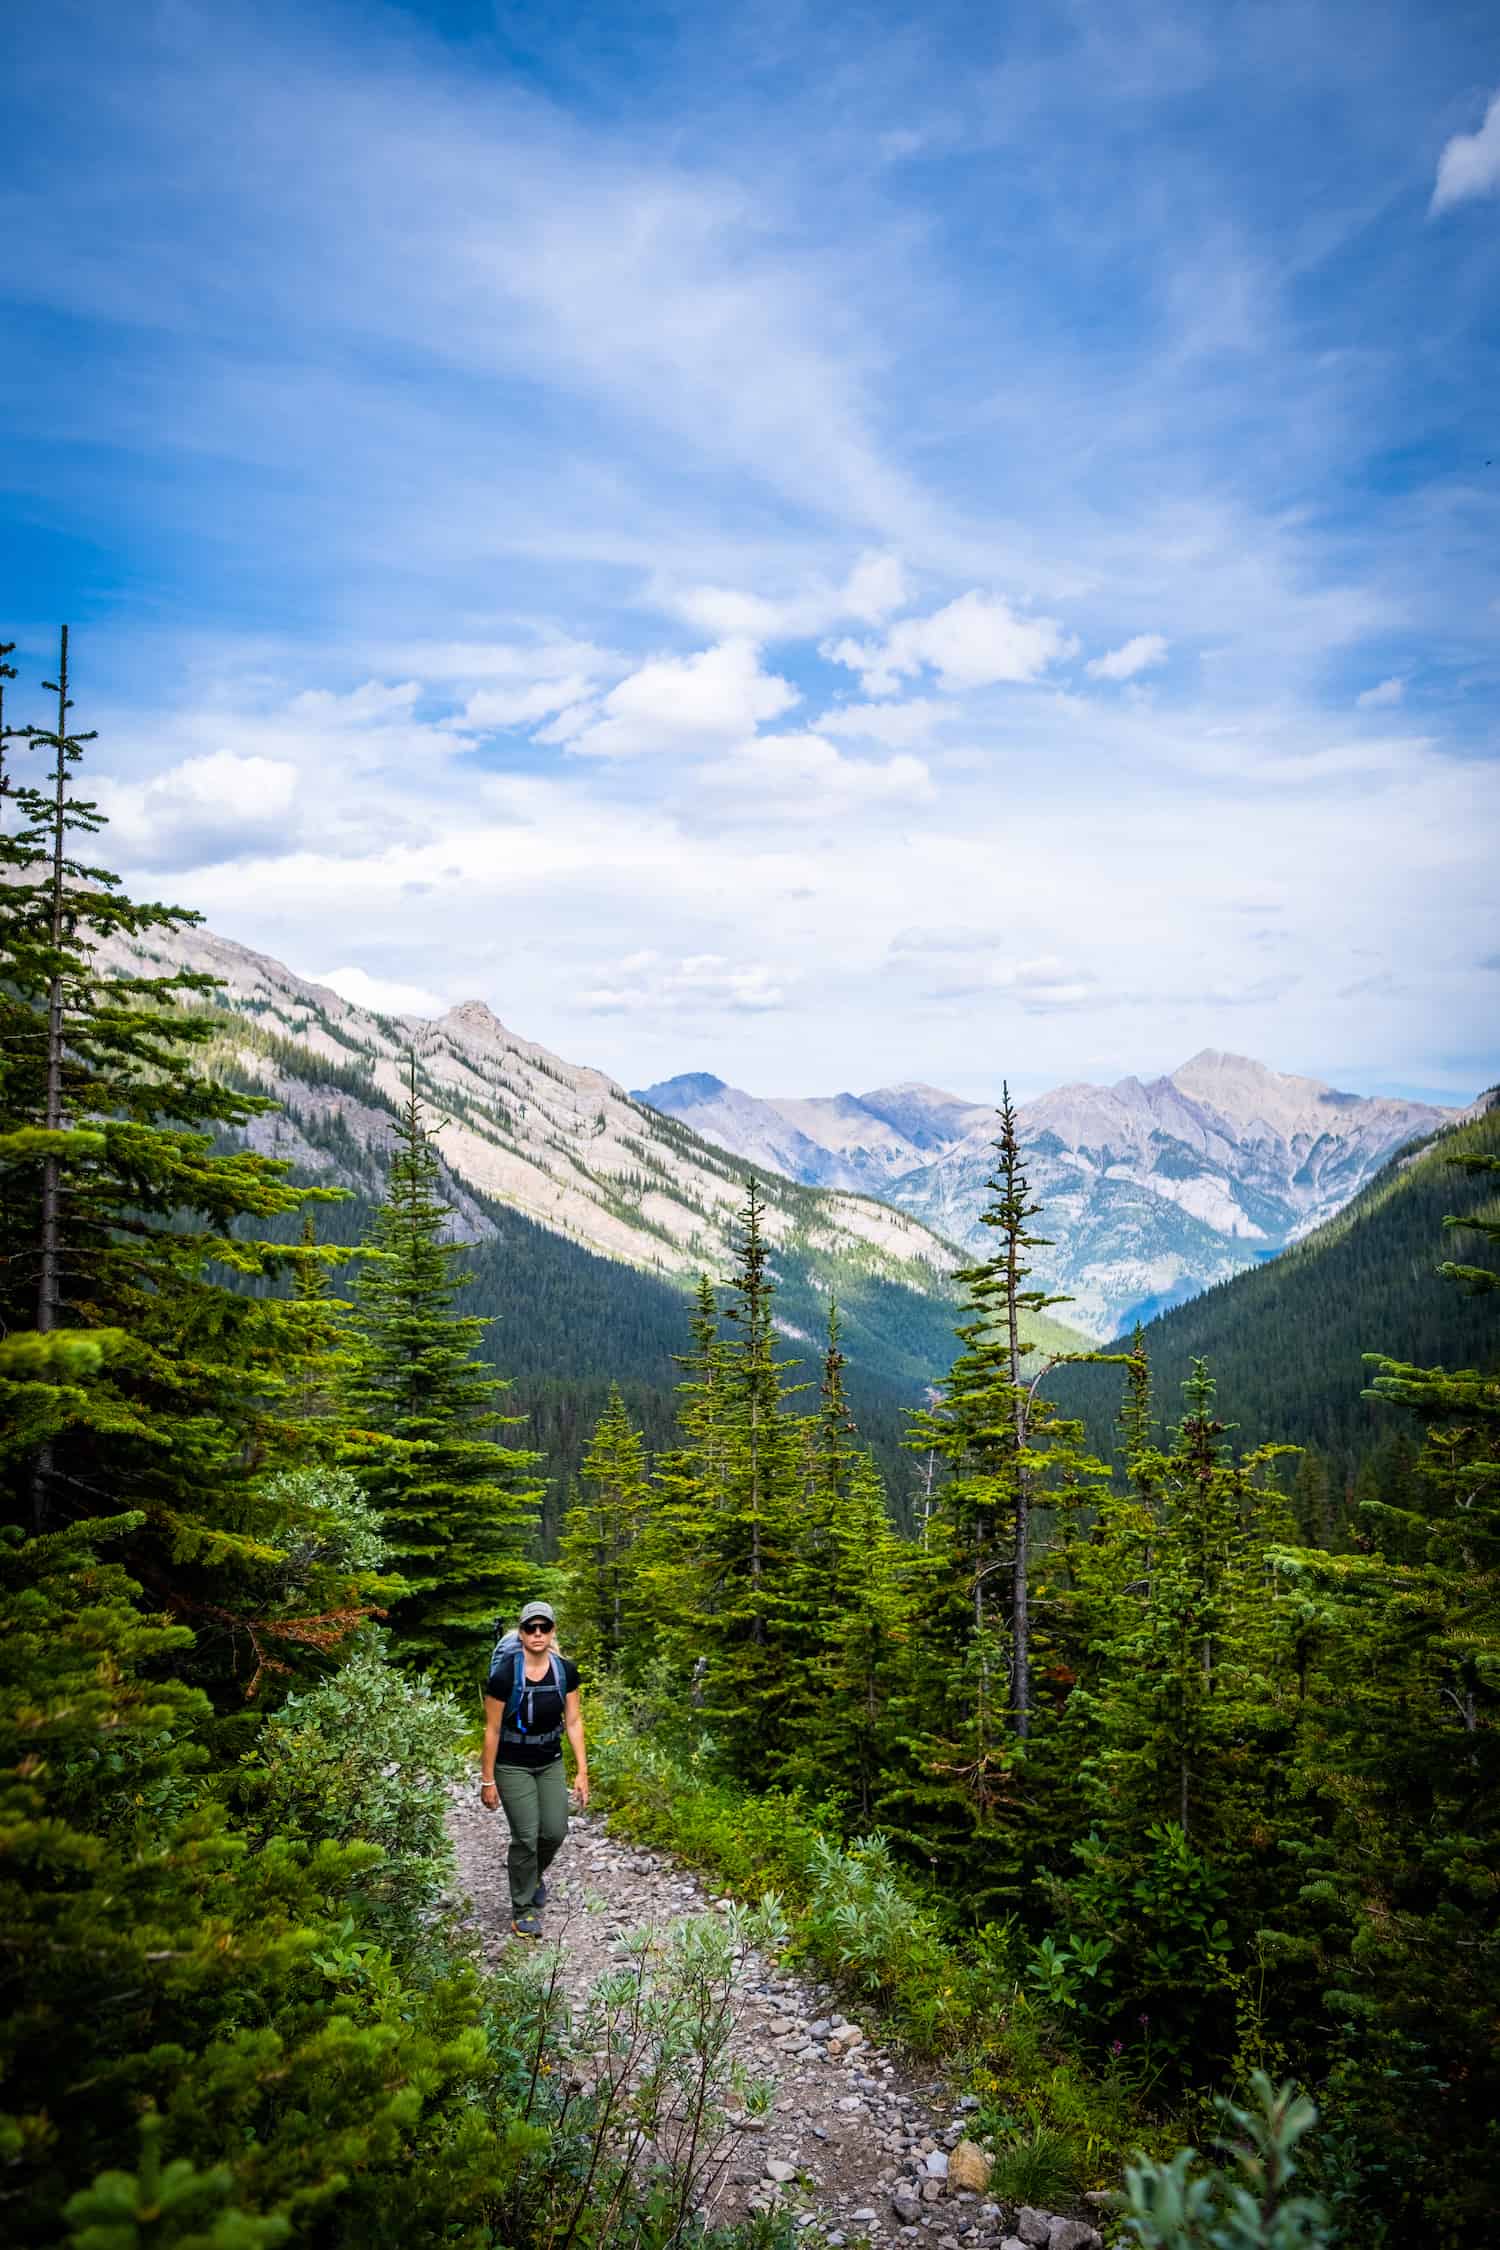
[{"x": 852, "y": 2142}]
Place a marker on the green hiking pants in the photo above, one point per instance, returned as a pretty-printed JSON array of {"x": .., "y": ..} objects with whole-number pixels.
[{"x": 536, "y": 1805}]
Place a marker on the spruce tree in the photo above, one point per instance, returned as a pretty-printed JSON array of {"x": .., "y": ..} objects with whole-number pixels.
[
  {"x": 1176, "y": 1736},
  {"x": 1392, "y": 1933},
  {"x": 607, "y": 1624},
  {"x": 123, "y": 1220},
  {"x": 456, "y": 1501},
  {"x": 747, "y": 1619},
  {"x": 1007, "y": 1449},
  {"x": 847, "y": 1624}
]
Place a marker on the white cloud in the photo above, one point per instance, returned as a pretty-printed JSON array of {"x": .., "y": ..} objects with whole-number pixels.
[
  {"x": 950, "y": 940},
  {"x": 976, "y": 641},
  {"x": 778, "y": 774},
  {"x": 471, "y": 663},
  {"x": 386, "y": 995},
  {"x": 874, "y": 589},
  {"x": 373, "y": 704},
  {"x": 523, "y": 705},
  {"x": 203, "y": 811},
  {"x": 1470, "y": 163},
  {"x": 698, "y": 985},
  {"x": 685, "y": 704},
  {"x": 1382, "y": 697},
  {"x": 1138, "y": 655},
  {"x": 1039, "y": 986},
  {"x": 898, "y": 725}
]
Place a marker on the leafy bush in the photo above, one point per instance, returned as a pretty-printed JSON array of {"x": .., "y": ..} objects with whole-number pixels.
[
  {"x": 866, "y": 1924},
  {"x": 321, "y": 1519},
  {"x": 370, "y": 1755},
  {"x": 1176, "y": 2206},
  {"x": 636, "y": 2087}
]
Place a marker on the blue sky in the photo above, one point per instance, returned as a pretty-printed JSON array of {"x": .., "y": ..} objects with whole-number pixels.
[{"x": 824, "y": 544}]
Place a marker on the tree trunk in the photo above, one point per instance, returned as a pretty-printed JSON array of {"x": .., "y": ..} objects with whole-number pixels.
[
  {"x": 1020, "y": 1613},
  {"x": 49, "y": 1288}
]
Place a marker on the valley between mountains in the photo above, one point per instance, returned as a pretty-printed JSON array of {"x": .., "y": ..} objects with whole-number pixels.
[
  {"x": 591, "y": 1211},
  {"x": 1152, "y": 1190}
]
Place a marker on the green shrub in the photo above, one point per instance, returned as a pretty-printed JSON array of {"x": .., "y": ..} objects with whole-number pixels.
[
  {"x": 321, "y": 1520},
  {"x": 369, "y": 1755},
  {"x": 1179, "y": 2206}
]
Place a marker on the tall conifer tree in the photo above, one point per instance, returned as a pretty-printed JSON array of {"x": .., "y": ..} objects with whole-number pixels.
[
  {"x": 121, "y": 1218},
  {"x": 606, "y": 1621},
  {"x": 1006, "y": 1445},
  {"x": 456, "y": 1501}
]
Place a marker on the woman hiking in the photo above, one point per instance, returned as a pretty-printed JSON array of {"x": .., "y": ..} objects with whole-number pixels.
[{"x": 530, "y": 1702}]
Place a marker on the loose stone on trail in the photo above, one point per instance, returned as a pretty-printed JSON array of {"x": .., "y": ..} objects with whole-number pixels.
[{"x": 843, "y": 2117}]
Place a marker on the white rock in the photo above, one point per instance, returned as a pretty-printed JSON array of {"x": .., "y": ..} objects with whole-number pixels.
[
  {"x": 778, "y": 2169},
  {"x": 936, "y": 2163}
]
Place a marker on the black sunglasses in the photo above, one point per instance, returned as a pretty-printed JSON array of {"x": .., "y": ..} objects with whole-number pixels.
[{"x": 535, "y": 1625}]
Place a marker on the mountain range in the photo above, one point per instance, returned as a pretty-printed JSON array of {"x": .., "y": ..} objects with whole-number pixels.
[
  {"x": 558, "y": 1141},
  {"x": 590, "y": 1211},
  {"x": 1152, "y": 1190}
]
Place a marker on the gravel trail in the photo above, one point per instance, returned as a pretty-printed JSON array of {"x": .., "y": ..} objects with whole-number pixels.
[{"x": 853, "y": 2143}]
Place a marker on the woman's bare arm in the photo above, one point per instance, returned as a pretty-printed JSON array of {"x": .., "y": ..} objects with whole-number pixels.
[
  {"x": 573, "y": 1721},
  {"x": 494, "y": 1715}
]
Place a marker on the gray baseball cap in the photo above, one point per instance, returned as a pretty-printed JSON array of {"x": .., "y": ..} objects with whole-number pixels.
[{"x": 538, "y": 1609}]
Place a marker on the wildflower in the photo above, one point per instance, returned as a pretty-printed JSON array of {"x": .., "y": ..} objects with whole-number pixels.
[{"x": 1117, "y": 2046}]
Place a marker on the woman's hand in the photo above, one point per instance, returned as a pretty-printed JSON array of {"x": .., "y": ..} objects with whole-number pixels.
[
  {"x": 489, "y": 1795},
  {"x": 581, "y": 1791}
]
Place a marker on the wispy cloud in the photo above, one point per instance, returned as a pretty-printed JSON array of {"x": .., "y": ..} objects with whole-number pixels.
[
  {"x": 1142, "y": 653},
  {"x": 700, "y": 986},
  {"x": 1470, "y": 163},
  {"x": 1383, "y": 696},
  {"x": 560, "y": 517}
]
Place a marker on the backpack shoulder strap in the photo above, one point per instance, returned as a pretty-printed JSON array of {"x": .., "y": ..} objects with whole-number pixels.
[{"x": 559, "y": 1676}]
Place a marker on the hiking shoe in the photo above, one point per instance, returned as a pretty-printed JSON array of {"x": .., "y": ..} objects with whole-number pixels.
[
  {"x": 528, "y": 1923},
  {"x": 539, "y": 1898}
]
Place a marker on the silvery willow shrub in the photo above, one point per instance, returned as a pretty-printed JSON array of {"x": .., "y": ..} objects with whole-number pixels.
[
  {"x": 321, "y": 1519},
  {"x": 368, "y": 1757},
  {"x": 1179, "y": 2206},
  {"x": 637, "y": 2084}
]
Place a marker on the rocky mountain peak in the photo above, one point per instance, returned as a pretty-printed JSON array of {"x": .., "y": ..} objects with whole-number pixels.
[
  {"x": 672, "y": 1094},
  {"x": 474, "y": 1016}
]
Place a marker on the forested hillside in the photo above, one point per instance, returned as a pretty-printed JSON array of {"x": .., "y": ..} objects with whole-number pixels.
[
  {"x": 1119, "y": 1794},
  {"x": 569, "y": 1323},
  {"x": 1286, "y": 1339}
]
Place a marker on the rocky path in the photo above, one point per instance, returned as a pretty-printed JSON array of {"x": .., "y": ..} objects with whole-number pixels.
[{"x": 857, "y": 2146}]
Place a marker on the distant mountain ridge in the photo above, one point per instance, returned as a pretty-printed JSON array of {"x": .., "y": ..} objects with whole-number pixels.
[
  {"x": 560, "y": 1142},
  {"x": 860, "y": 1142},
  {"x": 1285, "y": 1340},
  {"x": 1151, "y": 1190}
]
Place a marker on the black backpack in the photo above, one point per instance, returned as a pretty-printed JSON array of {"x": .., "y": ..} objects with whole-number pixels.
[{"x": 520, "y": 1692}]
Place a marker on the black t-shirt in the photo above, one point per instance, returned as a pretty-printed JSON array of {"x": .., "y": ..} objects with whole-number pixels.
[{"x": 541, "y": 1712}]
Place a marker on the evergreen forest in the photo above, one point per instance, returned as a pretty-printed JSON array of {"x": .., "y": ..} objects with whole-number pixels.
[{"x": 1122, "y": 1760}]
